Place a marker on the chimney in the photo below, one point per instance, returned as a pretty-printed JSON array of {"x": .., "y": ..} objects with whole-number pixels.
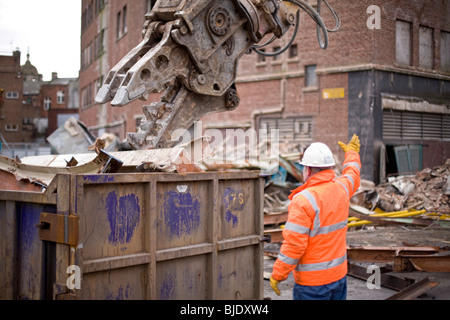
[
  {"x": 54, "y": 75},
  {"x": 16, "y": 55}
]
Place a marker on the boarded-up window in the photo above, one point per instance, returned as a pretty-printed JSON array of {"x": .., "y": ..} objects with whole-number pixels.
[
  {"x": 291, "y": 130},
  {"x": 445, "y": 51},
  {"x": 403, "y": 44},
  {"x": 426, "y": 48},
  {"x": 310, "y": 76}
]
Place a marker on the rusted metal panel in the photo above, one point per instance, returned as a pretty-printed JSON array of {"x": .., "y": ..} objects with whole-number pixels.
[
  {"x": 427, "y": 263},
  {"x": 140, "y": 236},
  {"x": 385, "y": 254},
  {"x": 58, "y": 228}
]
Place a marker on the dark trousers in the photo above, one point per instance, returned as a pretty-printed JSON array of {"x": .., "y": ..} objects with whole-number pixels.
[{"x": 333, "y": 291}]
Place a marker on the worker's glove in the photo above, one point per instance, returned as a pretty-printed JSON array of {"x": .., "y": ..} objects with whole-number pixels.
[
  {"x": 354, "y": 144},
  {"x": 274, "y": 284}
]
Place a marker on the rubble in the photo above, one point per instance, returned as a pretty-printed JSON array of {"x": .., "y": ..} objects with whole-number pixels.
[{"x": 427, "y": 190}]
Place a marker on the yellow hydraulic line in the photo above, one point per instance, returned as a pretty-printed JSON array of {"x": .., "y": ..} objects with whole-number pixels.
[
  {"x": 358, "y": 223},
  {"x": 397, "y": 214},
  {"x": 407, "y": 214}
]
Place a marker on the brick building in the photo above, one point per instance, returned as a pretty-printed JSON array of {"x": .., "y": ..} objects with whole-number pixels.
[
  {"x": 15, "y": 116},
  {"x": 30, "y": 107},
  {"x": 60, "y": 98},
  {"x": 109, "y": 30},
  {"x": 385, "y": 76}
]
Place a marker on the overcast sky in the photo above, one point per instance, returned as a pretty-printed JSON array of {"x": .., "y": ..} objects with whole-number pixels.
[{"x": 48, "y": 29}]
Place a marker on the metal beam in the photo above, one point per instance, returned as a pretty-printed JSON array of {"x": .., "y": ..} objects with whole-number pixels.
[
  {"x": 387, "y": 280},
  {"x": 427, "y": 263},
  {"x": 414, "y": 290}
]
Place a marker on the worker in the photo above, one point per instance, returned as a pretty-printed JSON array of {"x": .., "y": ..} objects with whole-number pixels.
[{"x": 314, "y": 245}]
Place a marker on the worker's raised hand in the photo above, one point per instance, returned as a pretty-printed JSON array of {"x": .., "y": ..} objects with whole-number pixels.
[
  {"x": 354, "y": 144},
  {"x": 274, "y": 284}
]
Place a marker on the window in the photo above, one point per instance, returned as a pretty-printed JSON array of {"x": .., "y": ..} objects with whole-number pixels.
[
  {"x": 11, "y": 127},
  {"x": 60, "y": 97},
  {"x": 98, "y": 84},
  {"x": 122, "y": 22},
  {"x": 275, "y": 49},
  {"x": 98, "y": 44},
  {"x": 119, "y": 30},
  {"x": 86, "y": 97},
  {"x": 310, "y": 76},
  {"x": 293, "y": 51},
  {"x": 426, "y": 48},
  {"x": 12, "y": 95},
  {"x": 27, "y": 120},
  {"x": 403, "y": 43},
  {"x": 261, "y": 58},
  {"x": 291, "y": 129},
  {"x": 47, "y": 103},
  {"x": 445, "y": 51}
]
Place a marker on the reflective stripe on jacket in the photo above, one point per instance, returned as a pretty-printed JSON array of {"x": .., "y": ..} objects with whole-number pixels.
[{"x": 314, "y": 246}]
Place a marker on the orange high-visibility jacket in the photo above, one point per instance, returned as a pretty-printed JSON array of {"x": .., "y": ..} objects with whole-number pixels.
[{"x": 314, "y": 244}]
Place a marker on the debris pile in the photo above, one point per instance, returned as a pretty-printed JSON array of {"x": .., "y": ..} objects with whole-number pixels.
[{"x": 427, "y": 190}]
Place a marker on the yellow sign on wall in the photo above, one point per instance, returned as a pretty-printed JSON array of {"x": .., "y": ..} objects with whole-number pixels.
[{"x": 333, "y": 93}]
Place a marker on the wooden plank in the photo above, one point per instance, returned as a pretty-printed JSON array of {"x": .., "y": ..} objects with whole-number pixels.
[
  {"x": 152, "y": 217},
  {"x": 8, "y": 250},
  {"x": 22, "y": 196},
  {"x": 276, "y": 235},
  {"x": 213, "y": 236},
  {"x": 106, "y": 264},
  {"x": 259, "y": 228},
  {"x": 275, "y": 218},
  {"x": 238, "y": 242},
  {"x": 181, "y": 252}
]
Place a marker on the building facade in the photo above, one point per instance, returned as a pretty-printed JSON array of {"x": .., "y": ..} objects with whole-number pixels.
[
  {"x": 16, "y": 113},
  {"x": 385, "y": 76},
  {"x": 60, "y": 101},
  {"x": 110, "y": 29},
  {"x": 31, "y": 109}
]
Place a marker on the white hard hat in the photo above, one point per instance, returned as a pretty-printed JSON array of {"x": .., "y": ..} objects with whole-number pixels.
[{"x": 318, "y": 155}]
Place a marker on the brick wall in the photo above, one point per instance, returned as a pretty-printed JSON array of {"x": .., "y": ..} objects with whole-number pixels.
[
  {"x": 279, "y": 85},
  {"x": 12, "y": 112}
]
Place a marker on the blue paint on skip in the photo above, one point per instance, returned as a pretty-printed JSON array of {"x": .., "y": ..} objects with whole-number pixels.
[
  {"x": 29, "y": 248},
  {"x": 122, "y": 294},
  {"x": 230, "y": 217},
  {"x": 233, "y": 200},
  {"x": 123, "y": 216},
  {"x": 181, "y": 213},
  {"x": 167, "y": 289},
  {"x": 99, "y": 178}
]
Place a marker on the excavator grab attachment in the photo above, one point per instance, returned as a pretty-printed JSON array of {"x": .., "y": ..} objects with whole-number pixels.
[{"x": 190, "y": 50}]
